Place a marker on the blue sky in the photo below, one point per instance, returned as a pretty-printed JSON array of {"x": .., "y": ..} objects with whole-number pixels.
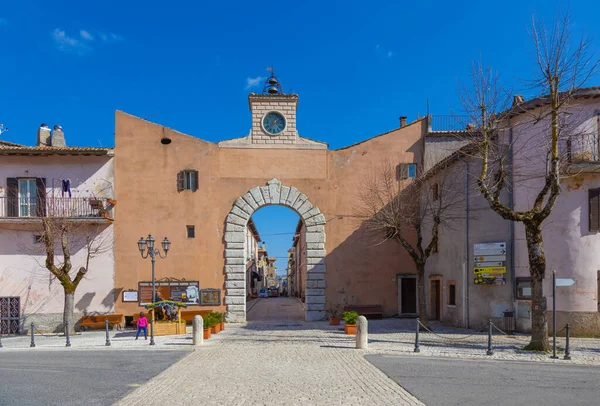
[
  {"x": 276, "y": 226},
  {"x": 356, "y": 65}
]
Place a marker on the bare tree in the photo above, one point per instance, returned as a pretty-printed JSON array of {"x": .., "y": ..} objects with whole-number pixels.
[
  {"x": 521, "y": 144},
  {"x": 63, "y": 238},
  {"x": 410, "y": 214}
]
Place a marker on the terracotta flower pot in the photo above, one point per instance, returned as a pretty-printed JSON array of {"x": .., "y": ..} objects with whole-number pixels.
[
  {"x": 215, "y": 329},
  {"x": 222, "y": 325},
  {"x": 334, "y": 321},
  {"x": 350, "y": 328},
  {"x": 207, "y": 333}
]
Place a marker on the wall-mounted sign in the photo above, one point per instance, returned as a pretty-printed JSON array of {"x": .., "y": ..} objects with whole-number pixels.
[
  {"x": 130, "y": 296},
  {"x": 180, "y": 291},
  {"x": 489, "y": 262}
]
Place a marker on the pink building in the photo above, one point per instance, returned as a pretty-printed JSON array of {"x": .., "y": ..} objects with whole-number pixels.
[{"x": 53, "y": 180}]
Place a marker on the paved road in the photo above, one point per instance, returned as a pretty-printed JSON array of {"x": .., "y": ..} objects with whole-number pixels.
[
  {"x": 77, "y": 377},
  {"x": 449, "y": 382},
  {"x": 275, "y": 310}
]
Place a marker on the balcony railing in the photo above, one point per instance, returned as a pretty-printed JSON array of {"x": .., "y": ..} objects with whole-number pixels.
[
  {"x": 448, "y": 122},
  {"x": 59, "y": 207},
  {"x": 583, "y": 148}
]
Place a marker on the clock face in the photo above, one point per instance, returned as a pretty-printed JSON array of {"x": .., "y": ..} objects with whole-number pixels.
[{"x": 274, "y": 123}]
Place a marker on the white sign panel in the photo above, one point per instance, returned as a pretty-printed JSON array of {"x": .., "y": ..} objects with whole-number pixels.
[
  {"x": 564, "y": 282},
  {"x": 488, "y": 258},
  {"x": 482, "y": 249},
  {"x": 488, "y": 264}
]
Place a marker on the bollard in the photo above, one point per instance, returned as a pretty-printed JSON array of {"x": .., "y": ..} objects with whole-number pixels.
[
  {"x": 0, "y": 340},
  {"x": 67, "y": 334},
  {"x": 417, "y": 349},
  {"x": 107, "y": 343},
  {"x": 567, "y": 346},
  {"x": 362, "y": 333},
  {"x": 490, "y": 350},
  {"x": 32, "y": 337},
  {"x": 198, "y": 331}
]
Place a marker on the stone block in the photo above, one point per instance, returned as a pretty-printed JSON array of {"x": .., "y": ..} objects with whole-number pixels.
[
  {"x": 315, "y": 306},
  {"x": 311, "y": 213},
  {"x": 234, "y": 261},
  {"x": 235, "y": 276},
  {"x": 314, "y": 261},
  {"x": 236, "y": 316},
  {"x": 293, "y": 195},
  {"x": 257, "y": 195},
  {"x": 234, "y": 237},
  {"x": 235, "y": 300},
  {"x": 274, "y": 190},
  {"x": 315, "y": 284},
  {"x": 305, "y": 207},
  {"x": 316, "y": 268},
  {"x": 285, "y": 191},
  {"x": 233, "y": 227},
  {"x": 240, "y": 213},
  {"x": 315, "y": 253},
  {"x": 315, "y": 228},
  {"x": 234, "y": 253},
  {"x": 235, "y": 292},
  {"x": 315, "y": 237},
  {"x": 241, "y": 203},
  {"x": 234, "y": 245},
  {"x": 236, "y": 308},
  {"x": 315, "y": 315},
  {"x": 315, "y": 292},
  {"x": 250, "y": 201},
  {"x": 235, "y": 285},
  {"x": 313, "y": 246},
  {"x": 264, "y": 190},
  {"x": 299, "y": 201},
  {"x": 315, "y": 276},
  {"x": 316, "y": 220},
  {"x": 233, "y": 219},
  {"x": 235, "y": 269},
  {"x": 315, "y": 299}
]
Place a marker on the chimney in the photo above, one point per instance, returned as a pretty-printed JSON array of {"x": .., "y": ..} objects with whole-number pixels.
[
  {"x": 518, "y": 99},
  {"x": 43, "y": 135},
  {"x": 402, "y": 121},
  {"x": 58, "y": 137}
]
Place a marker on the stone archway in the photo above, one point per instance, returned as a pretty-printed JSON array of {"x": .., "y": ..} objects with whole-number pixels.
[{"x": 235, "y": 266}]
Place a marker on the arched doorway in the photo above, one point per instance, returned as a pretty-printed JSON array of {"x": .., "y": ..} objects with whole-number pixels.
[{"x": 274, "y": 193}]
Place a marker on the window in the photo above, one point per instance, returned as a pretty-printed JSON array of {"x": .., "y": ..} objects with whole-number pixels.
[
  {"x": 37, "y": 239},
  {"x": 187, "y": 180},
  {"x": 406, "y": 171},
  {"x": 25, "y": 197},
  {"x": 451, "y": 293},
  {"x": 594, "y": 208},
  {"x": 191, "y": 231},
  {"x": 523, "y": 288}
]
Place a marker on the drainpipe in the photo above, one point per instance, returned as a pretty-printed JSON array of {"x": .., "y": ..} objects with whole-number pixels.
[{"x": 466, "y": 266}]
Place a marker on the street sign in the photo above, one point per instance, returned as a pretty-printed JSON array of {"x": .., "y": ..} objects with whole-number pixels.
[
  {"x": 488, "y": 264},
  {"x": 488, "y": 258},
  {"x": 490, "y": 246},
  {"x": 564, "y": 282},
  {"x": 490, "y": 270},
  {"x": 500, "y": 251}
]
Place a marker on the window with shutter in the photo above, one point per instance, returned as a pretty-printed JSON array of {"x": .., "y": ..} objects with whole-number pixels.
[
  {"x": 180, "y": 184},
  {"x": 594, "y": 208},
  {"x": 12, "y": 197},
  {"x": 40, "y": 184},
  {"x": 187, "y": 180}
]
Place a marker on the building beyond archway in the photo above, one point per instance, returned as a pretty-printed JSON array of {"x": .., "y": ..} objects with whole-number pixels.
[{"x": 274, "y": 193}]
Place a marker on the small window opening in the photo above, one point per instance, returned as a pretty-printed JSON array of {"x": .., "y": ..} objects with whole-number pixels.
[
  {"x": 165, "y": 141},
  {"x": 191, "y": 231},
  {"x": 451, "y": 293},
  {"x": 37, "y": 239}
]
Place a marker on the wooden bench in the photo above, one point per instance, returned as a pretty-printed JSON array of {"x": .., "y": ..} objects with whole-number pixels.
[
  {"x": 369, "y": 311},
  {"x": 98, "y": 320},
  {"x": 187, "y": 315}
]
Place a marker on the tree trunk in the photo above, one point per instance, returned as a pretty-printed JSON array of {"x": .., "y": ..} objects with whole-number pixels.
[
  {"x": 422, "y": 302},
  {"x": 537, "y": 269},
  {"x": 68, "y": 311}
]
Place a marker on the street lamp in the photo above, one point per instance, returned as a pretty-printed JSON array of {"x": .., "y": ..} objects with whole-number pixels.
[{"x": 146, "y": 248}]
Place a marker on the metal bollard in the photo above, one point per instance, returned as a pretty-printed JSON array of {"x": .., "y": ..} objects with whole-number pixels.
[
  {"x": 417, "y": 349},
  {"x": 107, "y": 343},
  {"x": 32, "y": 337},
  {"x": 567, "y": 346},
  {"x": 362, "y": 333},
  {"x": 67, "y": 334},
  {"x": 490, "y": 350}
]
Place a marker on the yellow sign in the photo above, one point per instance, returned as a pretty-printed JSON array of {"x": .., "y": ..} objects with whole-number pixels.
[{"x": 493, "y": 270}]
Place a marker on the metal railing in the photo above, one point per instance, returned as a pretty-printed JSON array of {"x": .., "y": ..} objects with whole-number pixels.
[
  {"x": 448, "y": 122},
  {"x": 583, "y": 148},
  {"x": 60, "y": 207}
]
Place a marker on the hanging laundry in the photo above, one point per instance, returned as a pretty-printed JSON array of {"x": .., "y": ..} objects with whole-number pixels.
[{"x": 66, "y": 187}]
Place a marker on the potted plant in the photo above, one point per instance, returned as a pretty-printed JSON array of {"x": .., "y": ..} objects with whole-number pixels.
[
  {"x": 206, "y": 326},
  {"x": 334, "y": 316},
  {"x": 350, "y": 321},
  {"x": 215, "y": 325},
  {"x": 223, "y": 316}
]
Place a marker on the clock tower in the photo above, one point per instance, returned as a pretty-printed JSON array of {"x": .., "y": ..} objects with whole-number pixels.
[{"x": 273, "y": 121}]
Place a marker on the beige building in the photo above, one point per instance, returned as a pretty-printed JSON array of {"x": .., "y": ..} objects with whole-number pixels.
[
  {"x": 251, "y": 254},
  {"x": 297, "y": 272}
]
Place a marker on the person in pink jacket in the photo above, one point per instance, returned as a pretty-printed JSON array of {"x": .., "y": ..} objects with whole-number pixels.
[{"x": 142, "y": 325}]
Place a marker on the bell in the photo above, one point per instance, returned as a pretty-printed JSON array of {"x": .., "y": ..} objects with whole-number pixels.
[
  {"x": 272, "y": 80},
  {"x": 273, "y": 90}
]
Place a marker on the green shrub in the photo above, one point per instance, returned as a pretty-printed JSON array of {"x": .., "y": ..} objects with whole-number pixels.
[
  {"x": 350, "y": 317},
  {"x": 215, "y": 318},
  {"x": 206, "y": 322}
]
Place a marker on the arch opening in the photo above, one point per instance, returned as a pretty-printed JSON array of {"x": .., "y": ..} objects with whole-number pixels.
[{"x": 236, "y": 223}]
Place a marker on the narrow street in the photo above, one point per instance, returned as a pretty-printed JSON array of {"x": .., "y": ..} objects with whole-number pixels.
[{"x": 275, "y": 310}]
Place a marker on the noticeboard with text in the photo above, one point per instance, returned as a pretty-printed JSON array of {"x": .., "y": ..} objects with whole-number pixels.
[
  {"x": 489, "y": 263},
  {"x": 180, "y": 291}
]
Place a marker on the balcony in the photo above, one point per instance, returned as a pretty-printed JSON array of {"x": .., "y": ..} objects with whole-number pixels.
[{"x": 19, "y": 209}]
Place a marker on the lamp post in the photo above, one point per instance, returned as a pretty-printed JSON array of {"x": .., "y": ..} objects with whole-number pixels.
[{"x": 146, "y": 248}]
